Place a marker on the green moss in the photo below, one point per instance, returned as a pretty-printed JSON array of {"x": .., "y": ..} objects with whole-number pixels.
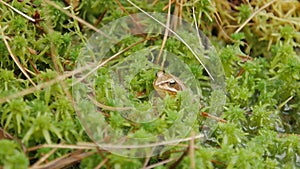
[
  {"x": 11, "y": 156},
  {"x": 261, "y": 64}
]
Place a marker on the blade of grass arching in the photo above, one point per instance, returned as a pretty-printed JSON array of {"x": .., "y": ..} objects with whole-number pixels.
[
  {"x": 178, "y": 36},
  {"x": 16, "y": 60}
]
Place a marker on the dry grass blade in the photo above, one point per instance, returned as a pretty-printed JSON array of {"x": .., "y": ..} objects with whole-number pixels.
[
  {"x": 5, "y": 135},
  {"x": 19, "y": 12},
  {"x": 175, "y": 164},
  {"x": 64, "y": 161},
  {"x": 101, "y": 163},
  {"x": 160, "y": 163},
  {"x": 170, "y": 142},
  {"x": 192, "y": 152},
  {"x": 252, "y": 16},
  {"x": 196, "y": 25},
  {"x": 146, "y": 161},
  {"x": 167, "y": 6},
  {"x": 79, "y": 146},
  {"x": 122, "y": 7},
  {"x": 94, "y": 146},
  {"x": 16, "y": 60},
  {"x": 44, "y": 158},
  {"x": 204, "y": 114},
  {"x": 165, "y": 37},
  {"x": 219, "y": 23}
]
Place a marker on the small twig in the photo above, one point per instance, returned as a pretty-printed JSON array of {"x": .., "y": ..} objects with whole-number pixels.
[
  {"x": 101, "y": 163},
  {"x": 148, "y": 157},
  {"x": 16, "y": 60},
  {"x": 122, "y": 7},
  {"x": 192, "y": 152},
  {"x": 19, "y": 12},
  {"x": 146, "y": 161},
  {"x": 100, "y": 18},
  {"x": 204, "y": 114},
  {"x": 180, "y": 11},
  {"x": 34, "y": 67},
  {"x": 241, "y": 71},
  {"x": 160, "y": 163},
  {"x": 5, "y": 135},
  {"x": 253, "y": 15},
  {"x": 167, "y": 6},
  {"x": 154, "y": 2},
  {"x": 177, "y": 17},
  {"x": 44, "y": 158},
  {"x": 175, "y": 164},
  {"x": 219, "y": 23},
  {"x": 30, "y": 72},
  {"x": 65, "y": 160}
]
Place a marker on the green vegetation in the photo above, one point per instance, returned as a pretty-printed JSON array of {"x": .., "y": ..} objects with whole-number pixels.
[{"x": 261, "y": 60}]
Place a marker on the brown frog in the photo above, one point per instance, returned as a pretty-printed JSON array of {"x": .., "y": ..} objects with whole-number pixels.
[{"x": 167, "y": 83}]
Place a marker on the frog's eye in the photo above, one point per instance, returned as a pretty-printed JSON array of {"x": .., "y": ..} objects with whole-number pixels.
[{"x": 172, "y": 83}]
